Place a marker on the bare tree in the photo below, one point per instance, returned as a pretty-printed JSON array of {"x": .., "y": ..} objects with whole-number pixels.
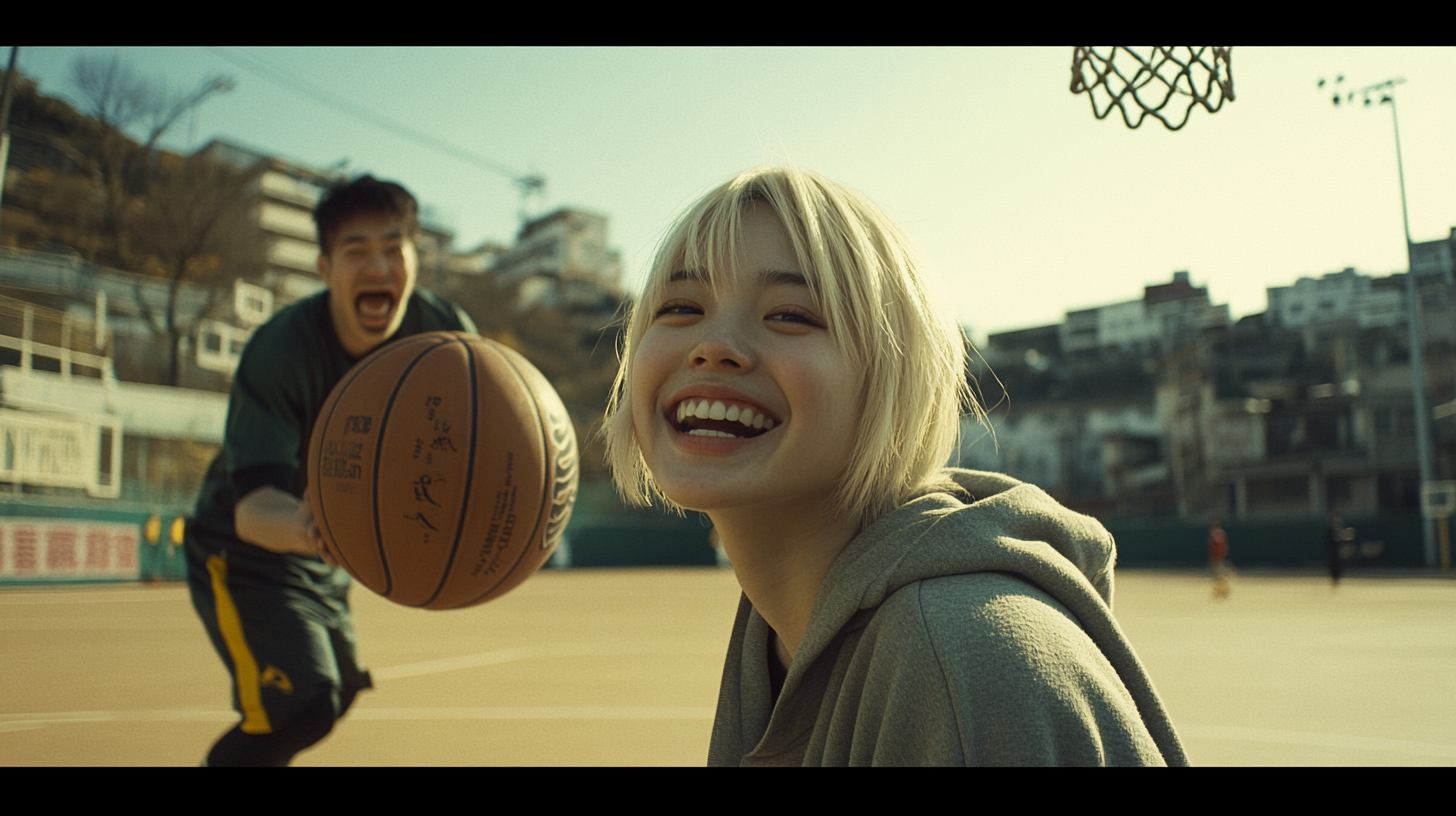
[
  {"x": 184, "y": 220},
  {"x": 119, "y": 100},
  {"x": 194, "y": 230},
  {"x": 111, "y": 92}
]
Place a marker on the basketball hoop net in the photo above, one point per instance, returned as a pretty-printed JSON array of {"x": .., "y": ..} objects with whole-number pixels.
[{"x": 1142, "y": 81}]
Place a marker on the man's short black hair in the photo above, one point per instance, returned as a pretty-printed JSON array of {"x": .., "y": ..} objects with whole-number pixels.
[{"x": 365, "y": 194}]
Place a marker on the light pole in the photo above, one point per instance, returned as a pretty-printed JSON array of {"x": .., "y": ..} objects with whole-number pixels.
[
  {"x": 5, "y": 97},
  {"x": 1385, "y": 91}
]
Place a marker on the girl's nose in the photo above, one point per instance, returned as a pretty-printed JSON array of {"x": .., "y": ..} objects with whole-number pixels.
[{"x": 721, "y": 349}]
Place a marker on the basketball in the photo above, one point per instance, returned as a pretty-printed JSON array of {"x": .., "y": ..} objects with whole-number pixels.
[{"x": 442, "y": 470}]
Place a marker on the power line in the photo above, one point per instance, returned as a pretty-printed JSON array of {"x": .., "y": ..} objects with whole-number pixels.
[{"x": 282, "y": 78}]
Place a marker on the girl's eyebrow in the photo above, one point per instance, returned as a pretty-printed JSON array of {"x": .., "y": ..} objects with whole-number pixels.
[
  {"x": 773, "y": 277},
  {"x": 780, "y": 277}
]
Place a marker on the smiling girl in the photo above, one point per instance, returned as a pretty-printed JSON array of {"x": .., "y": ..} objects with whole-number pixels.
[{"x": 786, "y": 373}]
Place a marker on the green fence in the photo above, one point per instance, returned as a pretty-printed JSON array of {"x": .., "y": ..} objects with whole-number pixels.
[
  {"x": 42, "y": 544},
  {"x": 1379, "y": 542},
  {"x": 604, "y": 533},
  {"x": 48, "y": 544},
  {"x": 1389, "y": 541}
]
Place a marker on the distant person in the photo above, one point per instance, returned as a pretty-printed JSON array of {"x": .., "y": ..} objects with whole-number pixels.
[
  {"x": 786, "y": 372},
  {"x": 1218, "y": 550},
  {"x": 1336, "y": 535},
  {"x": 265, "y": 586}
]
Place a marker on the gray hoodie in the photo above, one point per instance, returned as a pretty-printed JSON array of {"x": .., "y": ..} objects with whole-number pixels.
[{"x": 965, "y": 628}]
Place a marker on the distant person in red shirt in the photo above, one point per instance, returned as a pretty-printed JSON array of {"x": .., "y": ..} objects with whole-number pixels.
[{"x": 1217, "y": 559}]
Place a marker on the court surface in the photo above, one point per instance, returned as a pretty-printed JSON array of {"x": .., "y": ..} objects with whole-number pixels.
[{"x": 621, "y": 667}]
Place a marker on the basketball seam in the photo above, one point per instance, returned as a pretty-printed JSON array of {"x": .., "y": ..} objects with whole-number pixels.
[
  {"x": 546, "y": 494},
  {"x": 379, "y": 457},
  {"x": 322, "y": 429},
  {"x": 469, "y": 473}
]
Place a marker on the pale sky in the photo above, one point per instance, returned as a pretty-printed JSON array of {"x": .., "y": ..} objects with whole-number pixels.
[{"x": 1023, "y": 202}]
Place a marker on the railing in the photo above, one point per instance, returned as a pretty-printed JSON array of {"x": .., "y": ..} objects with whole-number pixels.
[
  {"x": 46, "y": 449},
  {"x": 67, "y": 358}
]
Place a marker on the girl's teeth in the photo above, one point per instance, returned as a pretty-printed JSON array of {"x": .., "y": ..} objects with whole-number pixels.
[{"x": 704, "y": 409}]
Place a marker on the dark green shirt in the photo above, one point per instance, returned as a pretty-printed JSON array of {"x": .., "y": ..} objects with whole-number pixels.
[{"x": 287, "y": 371}]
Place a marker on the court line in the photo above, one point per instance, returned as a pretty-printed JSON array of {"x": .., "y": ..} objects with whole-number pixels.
[
  {"x": 1341, "y": 741},
  {"x": 538, "y": 713},
  {"x": 499, "y": 656},
  {"x": 21, "y": 722},
  {"x": 470, "y": 661},
  {"x": 24, "y": 722},
  {"x": 22, "y": 596},
  {"x": 125, "y": 624}
]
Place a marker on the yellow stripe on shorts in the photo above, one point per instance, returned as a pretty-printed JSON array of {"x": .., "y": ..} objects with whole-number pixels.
[{"x": 245, "y": 666}]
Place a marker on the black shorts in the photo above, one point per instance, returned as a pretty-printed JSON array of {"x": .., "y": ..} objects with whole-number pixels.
[{"x": 282, "y": 627}]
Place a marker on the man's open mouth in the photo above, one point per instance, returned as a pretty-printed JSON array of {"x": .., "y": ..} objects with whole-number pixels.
[
  {"x": 375, "y": 306},
  {"x": 726, "y": 419}
]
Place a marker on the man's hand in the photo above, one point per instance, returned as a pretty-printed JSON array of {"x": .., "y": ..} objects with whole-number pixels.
[
  {"x": 325, "y": 549},
  {"x": 318, "y": 544},
  {"x": 280, "y": 522}
]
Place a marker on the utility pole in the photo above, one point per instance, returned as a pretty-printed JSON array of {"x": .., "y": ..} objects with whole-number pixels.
[
  {"x": 5, "y": 97},
  {"x": 1386, "y": 96},
  {"x": 531, "y": 185}
]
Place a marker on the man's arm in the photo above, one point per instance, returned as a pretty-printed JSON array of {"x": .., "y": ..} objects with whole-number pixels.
[{"x": 279, "y": 522}]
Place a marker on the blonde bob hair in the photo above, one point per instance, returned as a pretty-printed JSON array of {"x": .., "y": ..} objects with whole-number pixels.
[{"x": 863, "y": 274}]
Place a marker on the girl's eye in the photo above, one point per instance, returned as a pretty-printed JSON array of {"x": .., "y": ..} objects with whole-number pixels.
[
  {"x": 677, "y": 307},
  {"x": 793, "y": 315}
]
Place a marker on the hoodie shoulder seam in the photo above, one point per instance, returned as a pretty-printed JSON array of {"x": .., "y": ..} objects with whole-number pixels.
[{"x": 952, "y": 700}]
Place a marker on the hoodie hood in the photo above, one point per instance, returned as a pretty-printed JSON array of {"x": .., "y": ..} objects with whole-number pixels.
[
  {"x": 970, "y": 522},
  {"x": 976, "y": 522}
]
